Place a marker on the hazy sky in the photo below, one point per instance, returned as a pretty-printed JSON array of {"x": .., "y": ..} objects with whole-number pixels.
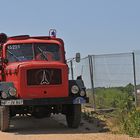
[{"x": 87, "y": 26}]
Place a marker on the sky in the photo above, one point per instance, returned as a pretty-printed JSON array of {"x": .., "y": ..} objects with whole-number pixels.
[{"x": 86, "y": 26}]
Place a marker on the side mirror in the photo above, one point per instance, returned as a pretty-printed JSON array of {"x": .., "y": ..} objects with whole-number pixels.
[
  {"x": 3, "y": 38},
  {"x": 78, "y": 57}
]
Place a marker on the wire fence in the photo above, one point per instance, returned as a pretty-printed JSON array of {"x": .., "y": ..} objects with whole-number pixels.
[{"x": 107, "y": 76}]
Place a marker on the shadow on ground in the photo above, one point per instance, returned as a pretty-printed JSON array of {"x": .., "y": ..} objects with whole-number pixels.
[{"x": 56, "y": 124}]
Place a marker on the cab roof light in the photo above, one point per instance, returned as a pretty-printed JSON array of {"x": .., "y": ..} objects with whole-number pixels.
[{"x": 52, "y": 33}]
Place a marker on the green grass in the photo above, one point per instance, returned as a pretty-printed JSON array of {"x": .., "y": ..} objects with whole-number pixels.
[
  {"x": 131, "y": 123},
  {"x": 125, "y": 113},
  {"x": 107, "y": 98},
  {"x": 111, "y": 97}
]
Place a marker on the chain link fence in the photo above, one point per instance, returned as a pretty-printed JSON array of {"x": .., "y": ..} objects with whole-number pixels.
[
  {"x": 137, "y": 67},
  {"x": 108, "y": 76}
]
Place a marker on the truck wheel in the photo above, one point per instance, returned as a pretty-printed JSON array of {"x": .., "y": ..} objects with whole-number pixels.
[
  {"x": 4, "y": 118},
  {"x": 73, "y": 115}
]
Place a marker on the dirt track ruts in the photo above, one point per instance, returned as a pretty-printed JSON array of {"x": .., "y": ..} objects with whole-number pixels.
[{"x": 54, "y": 128}]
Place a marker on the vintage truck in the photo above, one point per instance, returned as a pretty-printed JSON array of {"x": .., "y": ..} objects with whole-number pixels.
[{"x": 34, "y": 80}]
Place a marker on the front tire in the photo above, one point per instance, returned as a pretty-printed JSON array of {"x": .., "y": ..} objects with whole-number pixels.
[
  {"x": 73, "y": 115},
  {"x": 4, "y": 118}
]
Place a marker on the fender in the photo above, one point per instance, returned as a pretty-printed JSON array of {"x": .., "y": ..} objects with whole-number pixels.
[{"x": 78, "y": 82}]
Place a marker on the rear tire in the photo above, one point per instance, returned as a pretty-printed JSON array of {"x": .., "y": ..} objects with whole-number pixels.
[
  {"x": 73, "y": 115},
  {"x": 4, "y": 118}
]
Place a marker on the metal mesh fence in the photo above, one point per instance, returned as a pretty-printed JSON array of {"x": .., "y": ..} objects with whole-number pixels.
[
  {"x": 113, "y": 70},
  {"x": 82, "y": 69},
  {"x": 112, "y": 74},
  {"x": 137, "y": 61},
  {"x": 106, "y": 77},
  {"x": 137, "y": 67}
]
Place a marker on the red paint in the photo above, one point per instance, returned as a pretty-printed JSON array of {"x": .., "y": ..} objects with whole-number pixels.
[{"x": 16, "y": 71}]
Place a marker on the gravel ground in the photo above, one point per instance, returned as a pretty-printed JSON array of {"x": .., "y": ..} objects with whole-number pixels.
[{"x": 54, "y": 128}]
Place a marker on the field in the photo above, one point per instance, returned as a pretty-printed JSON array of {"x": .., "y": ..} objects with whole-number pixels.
[{"x": 116, "y": 106}]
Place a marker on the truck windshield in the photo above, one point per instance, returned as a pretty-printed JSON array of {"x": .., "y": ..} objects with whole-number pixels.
[{"x": 36, "y": 51}]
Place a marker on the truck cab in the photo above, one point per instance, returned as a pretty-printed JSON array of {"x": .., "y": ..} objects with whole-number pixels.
[{"x": 34, "y": 80}]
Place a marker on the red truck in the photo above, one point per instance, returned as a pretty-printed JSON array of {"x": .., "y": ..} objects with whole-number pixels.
[{"x": 34, "y": 80}]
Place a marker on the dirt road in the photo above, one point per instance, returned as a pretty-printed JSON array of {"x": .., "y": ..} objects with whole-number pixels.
[{"x": 55, "y": 128}]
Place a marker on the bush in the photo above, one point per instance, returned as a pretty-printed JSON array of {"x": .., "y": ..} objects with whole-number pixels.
[
  {"x": 131, "y": 124},
  {"x": 125, "y": 114},
  {"x": 112, "y": 98}
]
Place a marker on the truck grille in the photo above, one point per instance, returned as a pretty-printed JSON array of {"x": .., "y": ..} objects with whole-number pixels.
[{"x": 49, "y": 76}]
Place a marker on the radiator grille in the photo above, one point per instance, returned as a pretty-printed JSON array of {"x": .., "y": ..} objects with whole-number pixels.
[{"x": 49, "y": 76}]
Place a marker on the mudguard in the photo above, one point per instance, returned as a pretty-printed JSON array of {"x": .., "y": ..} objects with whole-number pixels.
[{"x": 78, "y": 82}]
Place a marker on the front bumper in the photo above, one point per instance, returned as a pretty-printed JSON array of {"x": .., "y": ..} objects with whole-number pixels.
[{"x": 46, "y": 101}]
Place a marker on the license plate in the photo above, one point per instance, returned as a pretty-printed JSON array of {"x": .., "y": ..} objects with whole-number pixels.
[
  {"x": 79, "y": 100},
  {"x": 12, "y": 102}
]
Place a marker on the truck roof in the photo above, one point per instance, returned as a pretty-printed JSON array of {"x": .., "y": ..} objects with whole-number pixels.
[
  {"x": 23, "y": 37},
  {"x": 29, "y": 39}
]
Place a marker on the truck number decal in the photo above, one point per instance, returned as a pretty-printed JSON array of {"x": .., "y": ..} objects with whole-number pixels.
[{"x": 13, "y": 47}]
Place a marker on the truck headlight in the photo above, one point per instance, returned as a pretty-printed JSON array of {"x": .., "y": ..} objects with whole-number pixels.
[
  {"x": 82, "y": 93},
  {"x": 12, "y": 91},
  {"x": 74, "y": 89},
  {"x": 4, "y": 95}
]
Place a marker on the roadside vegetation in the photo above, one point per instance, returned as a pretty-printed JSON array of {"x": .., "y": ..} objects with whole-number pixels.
[{"x": 116, "y": 107}]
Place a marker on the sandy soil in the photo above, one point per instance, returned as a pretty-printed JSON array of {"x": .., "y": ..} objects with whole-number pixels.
[{"x": 54, "y": 128}]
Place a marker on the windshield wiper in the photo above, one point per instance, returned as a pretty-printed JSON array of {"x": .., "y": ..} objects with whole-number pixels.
[
  {"x": 13, "y": 55},
  {"x": 42, "y": 52}
]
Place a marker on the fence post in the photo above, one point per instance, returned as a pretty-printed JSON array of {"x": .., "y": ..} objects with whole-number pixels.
[
  {"x": 135, "y": 82},
  {"x": 71, "y": 67},
  {"x": 92, "y": 80}
]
